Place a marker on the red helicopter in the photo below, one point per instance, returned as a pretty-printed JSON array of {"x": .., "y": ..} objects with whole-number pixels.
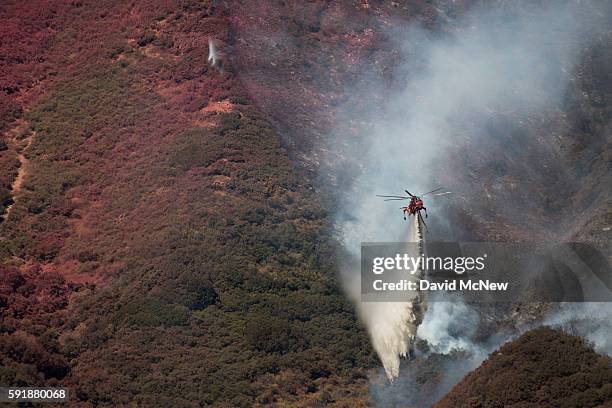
[{"x": 416, "y": 202}]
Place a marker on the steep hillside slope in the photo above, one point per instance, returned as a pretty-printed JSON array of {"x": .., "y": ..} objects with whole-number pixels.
[{"x": 161, "y": 248}]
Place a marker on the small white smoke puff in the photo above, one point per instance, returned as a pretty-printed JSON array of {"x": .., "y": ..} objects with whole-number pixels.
[{"x": 213, "y": 56}]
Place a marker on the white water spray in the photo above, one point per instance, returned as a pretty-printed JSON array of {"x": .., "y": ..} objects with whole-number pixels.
[{"x": 392, "y": 326}]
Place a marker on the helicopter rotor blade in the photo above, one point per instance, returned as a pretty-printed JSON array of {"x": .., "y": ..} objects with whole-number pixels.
[
  {"x": 439, "y": 194},
  {"x": 395, "y": 199},
  {"x": 432, "y": 191},
  {"x": 411, "y": 195},
  {"x": 391, "y": 196}
]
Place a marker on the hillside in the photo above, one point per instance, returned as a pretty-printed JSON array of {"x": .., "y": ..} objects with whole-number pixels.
[
  {"x": 231, "y": 297},
  {"x": 542, "y": 368}
]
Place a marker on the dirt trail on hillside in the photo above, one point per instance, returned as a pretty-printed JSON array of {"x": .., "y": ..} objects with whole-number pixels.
[
  {"x": 21, "y": 147},
  {"x": 23, "y": 161}
]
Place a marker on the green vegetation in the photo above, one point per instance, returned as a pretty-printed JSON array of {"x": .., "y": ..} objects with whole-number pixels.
[
  {"x": 242, "y": 295},
  {"x": 59, "y": 159}
]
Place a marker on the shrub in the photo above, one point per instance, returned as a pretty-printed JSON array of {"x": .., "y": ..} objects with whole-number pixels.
[{"x": 146, "y": 38}]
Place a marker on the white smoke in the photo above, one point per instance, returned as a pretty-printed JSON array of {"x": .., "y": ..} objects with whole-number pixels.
[
  {"x": 449, "y": 326},
  {"x": 589, "y": 320},
  {"x": 502, "y": 61}
]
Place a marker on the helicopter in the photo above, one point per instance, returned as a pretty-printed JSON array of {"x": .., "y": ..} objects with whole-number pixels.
[{"x": 416, "y": 204}]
